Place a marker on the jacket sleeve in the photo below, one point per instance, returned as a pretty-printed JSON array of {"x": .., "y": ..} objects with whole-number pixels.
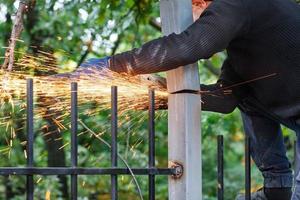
[{"x": 219, "y": 24}]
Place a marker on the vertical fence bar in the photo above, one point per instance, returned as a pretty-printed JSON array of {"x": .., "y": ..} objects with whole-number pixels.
[
  {"x": 151, "y": 143},
  {"x": 220, "y": 167},
  {"x": 247, "y": 168},
  {"x": 114, "y": 146},
  {"x": 296, "y": 160},
  {"x": 74, "y": 142},
  {"x": 30, "y": 138}
]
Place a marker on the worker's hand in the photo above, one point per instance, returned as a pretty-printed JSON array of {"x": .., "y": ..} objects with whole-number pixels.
[
  {"x": 98, "y": 63},
  {"x": 86, "y": 68},
  {"x": 89, "y": 66}
]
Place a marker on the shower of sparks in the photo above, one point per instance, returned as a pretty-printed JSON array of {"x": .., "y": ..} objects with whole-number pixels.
[
  {"x": 52, "y": 95},
  {"x": 53, "y": 92}
]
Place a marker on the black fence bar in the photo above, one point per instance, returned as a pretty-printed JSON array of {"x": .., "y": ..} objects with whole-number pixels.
[
  {"x": 114, "y": 145},
  {"x": 220, "y": 167},
  {"x": 151, "y": 143},
  {"x": 83, "y": 171},
  {"x": 296, "y": 160},
  {"x": 247, "y": 168},
  {"x": 30, "y": 138},
  {"x": 74, "y": 142}
]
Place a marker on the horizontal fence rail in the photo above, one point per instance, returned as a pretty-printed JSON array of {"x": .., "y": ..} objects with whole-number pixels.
[{"x": 84, "y": 171}]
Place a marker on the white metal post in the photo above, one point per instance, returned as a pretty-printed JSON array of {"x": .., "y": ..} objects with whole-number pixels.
[{"x": 184, "y": 138}]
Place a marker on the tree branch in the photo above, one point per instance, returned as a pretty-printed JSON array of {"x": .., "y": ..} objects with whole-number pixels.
[{"x": 15, "y": 34}]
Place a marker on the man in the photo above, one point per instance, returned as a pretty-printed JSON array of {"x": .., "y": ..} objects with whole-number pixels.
[{"x": 262, "y": 37}]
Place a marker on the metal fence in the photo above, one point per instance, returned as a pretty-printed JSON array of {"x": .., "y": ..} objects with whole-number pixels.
[
  {"x": 74, "y": 170},
  {"x": 220, "y": 168},
  {"x": 114, "y": 170}
]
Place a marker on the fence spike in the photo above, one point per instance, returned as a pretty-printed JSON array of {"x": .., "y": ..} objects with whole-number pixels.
[
  {"x": 30, "y": 138},
  {"x": 74, "y": 142},
  {"x": 114, "y": 145},
  {"x": 220, "y": 167},
  {"x": 151, "y": 143},
  {"x": 247, "y": 168}
]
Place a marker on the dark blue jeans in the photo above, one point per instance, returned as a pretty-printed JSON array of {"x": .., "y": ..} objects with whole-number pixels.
[
  {"x": 268, "y": 150},
  {"x": 269, "y": 153}
]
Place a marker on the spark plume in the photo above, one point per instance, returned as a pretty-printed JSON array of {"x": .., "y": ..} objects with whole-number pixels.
[{"x": 53, "y": 95}]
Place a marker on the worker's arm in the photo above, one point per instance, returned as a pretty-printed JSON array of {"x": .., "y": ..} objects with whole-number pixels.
[{"x": 220, "y": 23}]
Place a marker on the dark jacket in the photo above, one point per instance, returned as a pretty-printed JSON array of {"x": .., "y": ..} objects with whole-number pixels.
[{"x": 261, "y": 37}]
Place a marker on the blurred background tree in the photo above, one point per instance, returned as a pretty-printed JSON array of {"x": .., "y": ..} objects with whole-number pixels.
[{"x": 72, "y": 31}]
